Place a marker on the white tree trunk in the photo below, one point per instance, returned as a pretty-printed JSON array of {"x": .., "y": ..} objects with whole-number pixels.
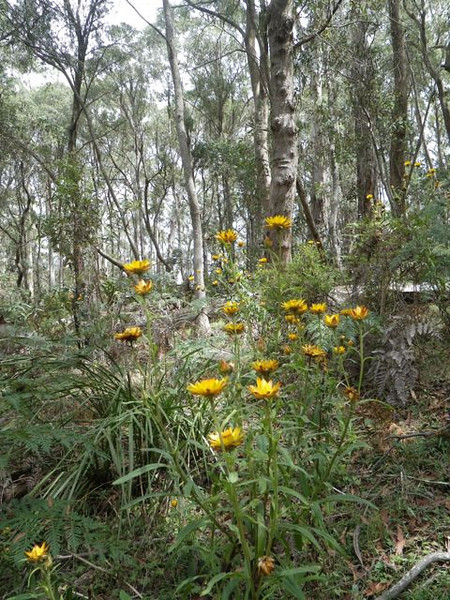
[{"x": 186, "y": 159}]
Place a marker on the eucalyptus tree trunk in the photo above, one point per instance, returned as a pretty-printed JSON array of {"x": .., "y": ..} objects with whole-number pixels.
[
  {"x": 284, "y": 129},
  {"x": 317, "y": 159},
  {"x": 256, "y": 48},
  {"x": 186, "y": 159},
  {"x": 399, "y": 112},
  {"x": 362, "y": 81}
]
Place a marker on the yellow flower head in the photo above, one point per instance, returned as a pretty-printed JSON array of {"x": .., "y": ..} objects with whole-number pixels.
[
  {"x": 208, "y": 387},
  {"x": 174, "y": 503},
  {"x": 318, "y": 309},
  {"x": 230, "y": 308},
  {"x": 191, "y": 278},
  {"x": 265, "y": 367},
  {"x": 137, "y": 267},
  {"x": 262, "y": 261},
  {"x": 226, "y": 367},
  {"x": 293, "y": 337},
  {"x": 264, "y": 388},
  {"x": 227, "y": 439},
  {"x": 351, "y": 393},
  {"x": 296, "y": 307},
  {"x": 292, "y": 319},
  {"x": 38, "y": 553},
  {"x": 346, "y": 312},
  {"x": 143, "y": 287},
  {"x": 241, "y": 244},
  {"x": 332, "y": 320},
  {"x": 417, "y": 164},
  {"x": 287, "y": 349},
  {"x": 359, "y": 313},
  {"x": 407, "y": 163},
  {"x": 234, "y": 328},
  {"x": 215, "y": 283},
  {"x": 314, "y": 351},
  {"x": 266, "y": 565},
  {"x": 369, "y": 196},
  {"x": 215, "y": 256},
  {"x": 227, "y": 236},
  {"x": 278, "y": 222},
  {"x": 339, "y": 349},
  {"x": 130, "y": 334}
]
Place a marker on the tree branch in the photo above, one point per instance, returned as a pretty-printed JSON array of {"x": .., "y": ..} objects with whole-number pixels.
[{"x": 322, "y": 28}]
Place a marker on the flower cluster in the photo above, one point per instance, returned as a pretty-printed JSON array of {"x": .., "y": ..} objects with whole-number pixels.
[{"x": 130, "y": 334}]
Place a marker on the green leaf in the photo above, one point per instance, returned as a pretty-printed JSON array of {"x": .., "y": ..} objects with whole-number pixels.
[
  {"x": 233, "y": 477},
  {"x": 212, "y": 582},
  {"x": 138, "y": 472},
  {"x": 294, "y": 494},
  {"x": 186, "y": 531}
]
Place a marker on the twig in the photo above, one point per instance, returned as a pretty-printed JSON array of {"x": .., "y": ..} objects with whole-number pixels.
[
  {"x": 411, "y": 575},
  {"x": 438, "y": 432}
]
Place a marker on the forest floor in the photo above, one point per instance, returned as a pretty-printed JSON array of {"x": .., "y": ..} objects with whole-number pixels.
[
  {"x": 408, "y": 480},
  {"x": 405, "y": 476}
]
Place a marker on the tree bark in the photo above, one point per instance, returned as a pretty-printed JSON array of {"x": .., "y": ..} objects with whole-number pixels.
[
  {"x": 400, "y": 110},
  {"x": 362, "y": 76},
  {"x": 284, "y": 129},
  {"x": 186, "y": 159}
]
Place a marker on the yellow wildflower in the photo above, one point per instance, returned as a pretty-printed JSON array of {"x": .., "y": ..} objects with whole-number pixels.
[
  {"x": 38, "y": 553},
  {"x": 266, "y": 565},
  {"x": 137, "y": 267},
  {"x": 264, "y": 388},
  {"x": 208, "y": 387},
  {"x": 351, "y": 393},
  {"x": 225, "y": 367},
  {"x": 215, "y": 256},
  {"x": 295, "y": 306},
  {"x": 359, "y": 313},
  {"x": 215, "y": 283},
  {"x": 369, "y": 197},
  {"x": 174, "y": 503},
  {"x": 227, "y": 236},
  {"x": 241, "y": 244},
  {"x": 143, "y": 287},
  {"x": 230, "y": 308},
  {"x": 293, "y": 336},
  {"x": 265, "y": 367},
  {"x": 287, "y": 349},
  {"x": 339, "y": 349},
  {"x": 263, "y": 260},
  {"x": 332, "y": 320},
  {"x": 234, "y": 328},
  {"x": 318, "y": 309},
  {"x": 292, "y": 319},
  {"x": 407, "y": 163},
  {"x": 227, "y": 439},
  {"x": 278, "y": 222},
  {"x": 313, "y": 351},
  {"x": 130, "y": 334},
  {"x": 218, "y": 271},
  {"x": 417, "y": 164},
  {"x": 191, "y": 278}
]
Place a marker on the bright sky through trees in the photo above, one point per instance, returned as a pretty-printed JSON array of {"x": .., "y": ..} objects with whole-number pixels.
[{"x": 123, "y": 12}]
